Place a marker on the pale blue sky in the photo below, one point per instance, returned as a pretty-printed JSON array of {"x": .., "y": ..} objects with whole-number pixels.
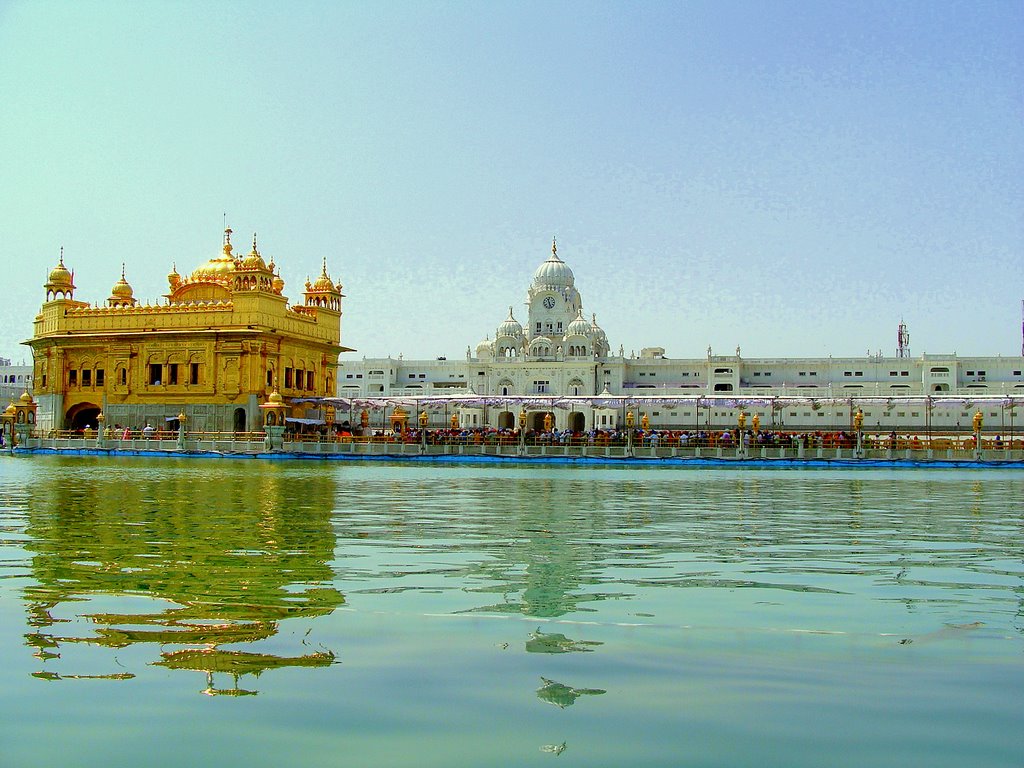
[{"x": 791, "y": 177}]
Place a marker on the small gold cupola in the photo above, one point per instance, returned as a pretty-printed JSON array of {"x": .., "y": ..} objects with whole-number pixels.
[
  {"x": 61, "y": 283},
  {"x": 324, "y": 293},
  {"x": 121, "y": 295}
]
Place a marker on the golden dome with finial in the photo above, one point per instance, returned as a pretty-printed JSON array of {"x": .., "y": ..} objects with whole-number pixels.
[
  {"x": 220, "y": 266},
  {"x": 10, "y": 410},
  {"x": 278, "y": 283},
  {"x": 254, "y": 260},
  {"x": 324, "y": 283},
  {"x": 173, "y": 278},
  {"x": 275, "y": 396},
  {"x": 122, "y": 290},
  {"x": 26, "y": 398},
  {"x": 59, "y": 275}
]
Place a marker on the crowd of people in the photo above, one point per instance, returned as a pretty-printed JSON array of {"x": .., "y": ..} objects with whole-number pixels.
[{"x": 686, "y": 438}]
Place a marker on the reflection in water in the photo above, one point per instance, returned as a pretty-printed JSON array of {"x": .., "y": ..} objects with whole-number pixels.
[
  {"x": 554, "y": 749},
  {"x": 561, "y": 695},
  {"x": 540, "y": 642},
  {"x": 185, "y": 554},
  {"x": 547, "y": 544},
  {"x": 777, "y": 599}
]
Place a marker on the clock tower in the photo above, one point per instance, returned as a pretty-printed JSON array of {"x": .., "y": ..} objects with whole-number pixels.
[{"x": 552, "y": 300}]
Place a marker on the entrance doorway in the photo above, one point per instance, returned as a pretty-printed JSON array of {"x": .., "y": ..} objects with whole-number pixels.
[
  {"x": 506, "y": 420},
  {"x": 577, "y": 422},
  {"x": 239, "y": 420},
  {"x": 81, "y": 416}
]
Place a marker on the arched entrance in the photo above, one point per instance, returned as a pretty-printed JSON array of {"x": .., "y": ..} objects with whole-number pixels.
[
  {"x": 577, "y": 422},
  {"x": 81, "y": 416},
  {"x": 506, "y": 420},
  {"x": 536, "y": 422},
  {"x": 239, "y": 420}
]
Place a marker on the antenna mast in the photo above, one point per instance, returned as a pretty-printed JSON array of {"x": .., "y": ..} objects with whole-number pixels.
[{"x": 902, "y": 340}]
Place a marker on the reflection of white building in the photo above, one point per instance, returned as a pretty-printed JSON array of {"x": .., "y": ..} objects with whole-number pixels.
[{"x": 559, "y": 351}]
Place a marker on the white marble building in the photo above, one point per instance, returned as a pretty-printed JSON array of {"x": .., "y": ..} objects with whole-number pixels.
[
  {"x": 14, "y": 380},
  {"x": 560, "y": 352}
]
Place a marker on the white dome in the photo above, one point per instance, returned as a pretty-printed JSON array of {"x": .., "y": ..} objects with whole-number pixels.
[
  {"x": 553, "y": 273},
  {"x": 579, "y": 326},
  {"x": 510, "y": 327},
  {"x": 484, "y": 349}
]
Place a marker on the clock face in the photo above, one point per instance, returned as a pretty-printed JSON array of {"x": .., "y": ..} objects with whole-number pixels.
[{"x": 549, "y": 302}]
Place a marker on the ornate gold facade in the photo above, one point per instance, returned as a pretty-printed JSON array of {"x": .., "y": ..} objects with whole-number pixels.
[{"x": 215, "y": 349}]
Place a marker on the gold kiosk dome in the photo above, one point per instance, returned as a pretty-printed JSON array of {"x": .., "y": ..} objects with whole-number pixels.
[
  {"x": 121, "y": 294},
  {"x": 254, "y": 261},
  {"x": 324, "y": 283},
  {"x": 60, "y": 283}
]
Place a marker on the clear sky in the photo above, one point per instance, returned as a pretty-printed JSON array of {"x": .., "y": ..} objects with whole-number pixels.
[{"x": 790, "y": 177}]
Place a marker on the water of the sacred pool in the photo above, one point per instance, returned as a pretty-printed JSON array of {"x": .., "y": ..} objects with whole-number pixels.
[{"x": 232, "y": 612}]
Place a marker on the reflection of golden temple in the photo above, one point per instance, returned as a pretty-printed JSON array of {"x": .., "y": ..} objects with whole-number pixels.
[
  {"x": 224, "y": 337},
  {"x": 176, "y": 575},
  {"x": 236, "y": 664}
]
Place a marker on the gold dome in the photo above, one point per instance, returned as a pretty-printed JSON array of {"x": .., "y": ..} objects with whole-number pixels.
[
  {"x": 173, "y": 277},
  {"x": 323, "y": 283},
  {"x": 121, "y": 289},
  {"x": 59, "y": 275},
  {"x": 278, "y": 284},
  {"x": 220, "y": 266},
  {"x": 26, "y": 397},
  {"x": 275, "y": 396},
  {"x": 254, "y": 260},
  {"x": 10, "y": 410}
]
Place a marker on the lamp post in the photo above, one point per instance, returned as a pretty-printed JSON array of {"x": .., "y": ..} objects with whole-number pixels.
[
  {"x": 858, "y": 426},
  {"x": 741, "y": 448},
  {"x": 977, "y": 422},
  {"x": 181, "y": 430},
  {"x": 629, "y": 432},
  {"x": 755, "y": 423},
  {"x": 423, "y": 431},
  {"x": 522, "y": 432},
  {"x": 100, "y": 418}
]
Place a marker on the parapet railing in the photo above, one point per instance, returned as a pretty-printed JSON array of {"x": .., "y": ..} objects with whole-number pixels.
[{"x": 653, "y": 445}]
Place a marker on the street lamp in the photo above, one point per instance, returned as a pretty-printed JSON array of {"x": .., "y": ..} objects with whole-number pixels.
[
  {"x": 977, "y": 422},
  {"x": 741, "y": 421},
  {"x": 423, "y": 431},
  {"x": 181, "y": 429},
  {"x": 858, "y": 425}
]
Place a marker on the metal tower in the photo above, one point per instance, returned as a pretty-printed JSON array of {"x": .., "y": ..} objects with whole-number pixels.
[{"x": 902, "y": 340}]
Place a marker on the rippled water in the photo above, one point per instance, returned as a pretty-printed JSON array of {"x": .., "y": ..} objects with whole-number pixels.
[{"x": 398, "y": 615}]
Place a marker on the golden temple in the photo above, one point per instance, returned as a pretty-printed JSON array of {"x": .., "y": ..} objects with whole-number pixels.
[{"x": 224, "y": 338}]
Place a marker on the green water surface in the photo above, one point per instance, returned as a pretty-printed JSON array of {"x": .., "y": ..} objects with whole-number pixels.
[{"x": 176, "y": 612}]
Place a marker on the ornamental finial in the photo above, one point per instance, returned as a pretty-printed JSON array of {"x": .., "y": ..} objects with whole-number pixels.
[
  {"x": 554, "y": 247},
  {"x": 62, "y": 255}
]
